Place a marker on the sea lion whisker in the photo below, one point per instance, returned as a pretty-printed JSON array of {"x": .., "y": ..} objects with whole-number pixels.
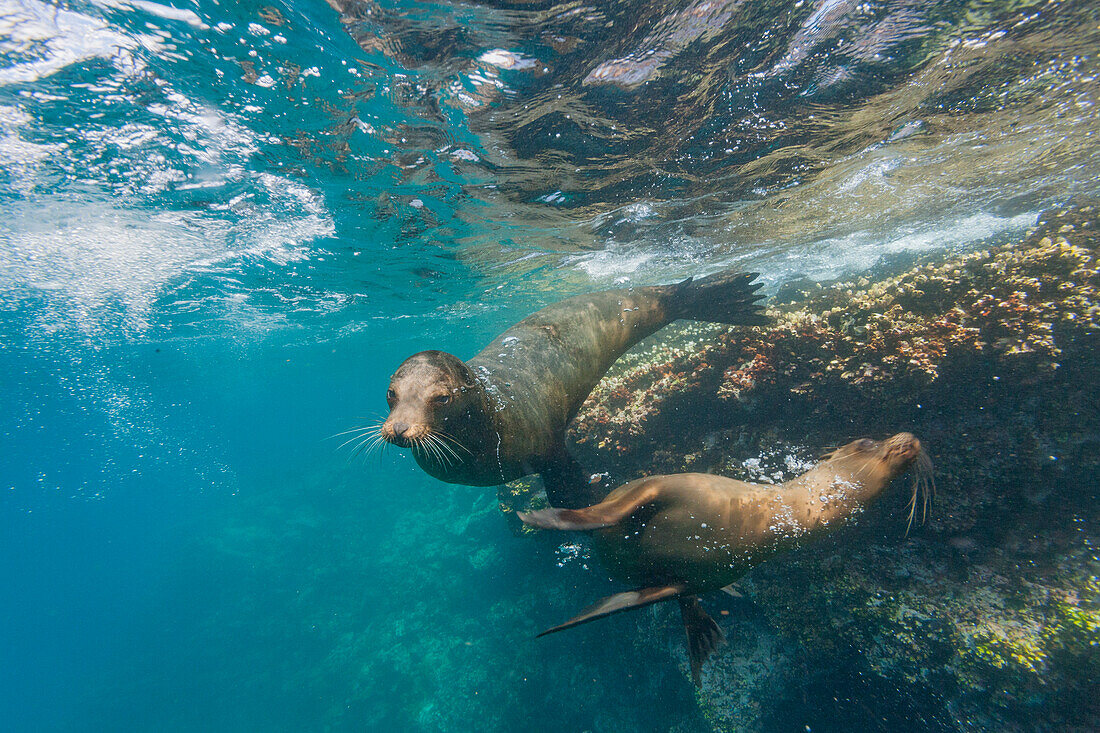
[
  {"x": 358, "y": 440},
  {"x": 432, "y": 444},
  {"x": 428, "y": 446},
  {"x": 452, "y": 444},
  {"x": 452, "y": 456},
  {"x": 365, "y": 444},
  {"x": 912, "y": 510},
  {"x": 436, "y": 446},
  {"x": 421, "y": 443},
  {"x": 444, "y": 446},
  {"x": 924, "y": 487},
  {"x": 925, "y": 469},
  {"x": 442, "y": 458},
  {"x": 357, "y": 436},
  {"x": 356, "y": 450},
  {"x": 448, "y": 453},
  {"x": 368, "y": 443},
  {"x": 356, "y": 429},
  {"x": 453, "y": 440},
  {"x": 447, "y": 444},
  {"x": 378, "y": 442}
]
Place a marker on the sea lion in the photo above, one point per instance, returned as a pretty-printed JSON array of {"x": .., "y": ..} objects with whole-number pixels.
[
  {"x": 680, "y": 535},
  {"x": 503, "y": 414}
]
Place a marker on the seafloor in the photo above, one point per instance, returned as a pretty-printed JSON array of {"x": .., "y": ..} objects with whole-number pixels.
[{"x": 987, "y": 616}]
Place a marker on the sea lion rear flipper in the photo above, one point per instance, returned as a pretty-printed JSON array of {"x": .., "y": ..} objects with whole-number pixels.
[
  {"x": 604, "y": 514},
  {"x": 724, "y": 297},
  {"x": 703, "y": 634},
  {"x": 619, "y": 602},
  {"x": 731, "y": 590}
]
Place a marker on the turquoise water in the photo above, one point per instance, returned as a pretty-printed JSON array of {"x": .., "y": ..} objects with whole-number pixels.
[{"x": 225, "y": 224}]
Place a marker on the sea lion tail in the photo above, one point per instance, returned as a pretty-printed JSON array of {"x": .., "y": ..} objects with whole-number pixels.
[
  {"x": 619, "y": 602},
  {"x": 724, "y": 297},
  {"x": 703, "y": 634}
]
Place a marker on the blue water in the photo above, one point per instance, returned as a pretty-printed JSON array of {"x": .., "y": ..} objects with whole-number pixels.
[{"x": 224, "y": 224}]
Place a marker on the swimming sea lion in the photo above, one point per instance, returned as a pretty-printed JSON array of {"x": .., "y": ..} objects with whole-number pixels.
[
  {"x": 679, "y": 535},
  {"x": 503, "y": 414}
]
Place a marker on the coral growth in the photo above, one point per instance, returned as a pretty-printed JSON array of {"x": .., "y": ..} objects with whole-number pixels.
[{"x": 1015, "y": 308}]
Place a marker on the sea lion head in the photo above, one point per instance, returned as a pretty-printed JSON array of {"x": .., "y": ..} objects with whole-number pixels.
[
  {"x": 431, "y": 396},
  {"x": 874, "y": 463},
  {"x": 886, "y": 458}
]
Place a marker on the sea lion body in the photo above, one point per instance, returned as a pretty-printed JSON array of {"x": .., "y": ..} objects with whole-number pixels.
[
  {"x": 706, "y": 531},
  {"x": 679, "y": 535},
  {"x": 503, "y": 414}
]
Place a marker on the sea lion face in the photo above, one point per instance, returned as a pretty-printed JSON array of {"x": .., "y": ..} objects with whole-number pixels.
[
  {"x": 428, "y": 395},
  {"x": 875, "y": 462}
]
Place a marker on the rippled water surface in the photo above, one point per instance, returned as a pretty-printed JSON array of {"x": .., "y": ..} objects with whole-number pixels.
[{"x": 226, "y": 223}]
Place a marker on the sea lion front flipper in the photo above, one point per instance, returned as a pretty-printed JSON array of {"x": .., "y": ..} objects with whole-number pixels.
[
  {"x": 567, "y": 484},
  {"x": 703, "y": 634},
  {"x": 606, "y": 513},
  {"x": 619, "y": 602}
]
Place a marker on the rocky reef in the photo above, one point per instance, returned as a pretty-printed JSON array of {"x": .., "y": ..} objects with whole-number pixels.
[{"x": 987, "y": 616}]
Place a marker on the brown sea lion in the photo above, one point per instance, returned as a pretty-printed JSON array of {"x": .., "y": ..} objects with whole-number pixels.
[
  {"x": 503, "y": 414},
  {"x": 679, "y": 535}
]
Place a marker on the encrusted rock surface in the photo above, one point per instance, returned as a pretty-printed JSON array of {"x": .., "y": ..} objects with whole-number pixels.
[{"x": 988, "y": 616}]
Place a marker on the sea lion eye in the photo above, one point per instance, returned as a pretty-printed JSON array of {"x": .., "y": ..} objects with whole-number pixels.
[
  {"x": 391, "y": 396},
  {"x": 865, "y": 444},
  {"x": 442, "y": 399}
]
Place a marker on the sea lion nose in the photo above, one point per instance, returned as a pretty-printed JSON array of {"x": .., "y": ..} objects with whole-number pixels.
[{"x": 399, "y": 428}]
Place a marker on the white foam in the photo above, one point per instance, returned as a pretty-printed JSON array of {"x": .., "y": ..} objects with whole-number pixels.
[
  {"x": 60, "y": 38},
  {"x": 851, "y": 254},
  {"x": 97, "y": 268},
  {"x": 91, "y": 262},
  {"x": 503, "y": 59},
  {"x": 819, "y": 260},
  {"x": 18, "y": 157},
  {"x": 161, "y": 11},
  {"x": 619, "y": 259}
]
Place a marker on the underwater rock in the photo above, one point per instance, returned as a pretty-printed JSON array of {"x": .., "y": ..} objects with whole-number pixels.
[
  {"x": 988, "y": 616},
  {"x": 1008, "y": 314}
]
